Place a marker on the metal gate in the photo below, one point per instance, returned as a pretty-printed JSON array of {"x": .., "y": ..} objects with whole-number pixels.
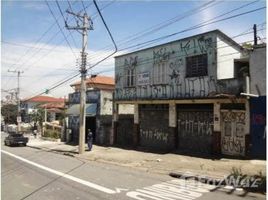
[
  {"x": 195, "y": 129},
  {"x": 233, "y": 132}
]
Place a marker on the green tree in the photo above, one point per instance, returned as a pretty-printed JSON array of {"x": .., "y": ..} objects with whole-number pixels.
[
  {"x": 10, "y": 112},
  {"x": 246, "y": 45}
]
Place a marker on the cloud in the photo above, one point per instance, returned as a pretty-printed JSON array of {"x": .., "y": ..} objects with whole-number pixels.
[
  {"x": 34, "y": 5},
  {"x": 47, "y": 67}
]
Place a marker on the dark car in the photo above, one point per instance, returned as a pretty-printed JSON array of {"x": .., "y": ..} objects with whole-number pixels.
[{"x": 15, "y": 139}]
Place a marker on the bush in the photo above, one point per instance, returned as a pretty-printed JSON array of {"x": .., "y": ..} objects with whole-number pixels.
[{"x": 51, "y": 133}]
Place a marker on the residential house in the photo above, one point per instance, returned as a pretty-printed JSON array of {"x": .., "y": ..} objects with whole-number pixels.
[
  {"x": 186, "y": 95},
  {"x": 99, "y": 96},
  {"x": 53, "y": 111},
  {"x": 30, "y": 105}
]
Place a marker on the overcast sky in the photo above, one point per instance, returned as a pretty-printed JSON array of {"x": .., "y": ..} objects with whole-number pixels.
[{"x": 31, "y": 43}]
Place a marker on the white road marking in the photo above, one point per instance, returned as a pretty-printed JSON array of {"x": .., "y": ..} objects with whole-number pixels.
[
  {"x": 78, "y": 180},
  {"x": 171, "y": 190}
]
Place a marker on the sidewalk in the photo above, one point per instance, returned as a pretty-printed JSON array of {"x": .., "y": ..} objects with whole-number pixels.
[{"x": 155, "y": 163}]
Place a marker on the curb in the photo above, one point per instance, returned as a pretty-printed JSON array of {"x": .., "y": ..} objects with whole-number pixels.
[{"x": 66, "y": 153}]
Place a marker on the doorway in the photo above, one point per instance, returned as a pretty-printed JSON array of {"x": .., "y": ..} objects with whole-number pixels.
[{"x": 91, "y": 124}]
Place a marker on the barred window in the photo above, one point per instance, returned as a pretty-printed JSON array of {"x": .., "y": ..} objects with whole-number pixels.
[
  {"x": 130, "y": 77},
  {"x": 197, "y": 66},
  {"x": 160, "y": 73}
]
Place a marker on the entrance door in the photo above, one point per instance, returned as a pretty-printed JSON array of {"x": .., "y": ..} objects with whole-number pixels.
[
  {"x": 91, "y": 124},
  {"x": 233, "y": 132},
  {"x": 195, "y": 128}
]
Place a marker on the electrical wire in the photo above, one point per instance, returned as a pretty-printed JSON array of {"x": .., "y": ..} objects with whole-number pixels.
[
  {"x": 232, "y": 16},
  {"x": 58, "y": 5},
  {"x": 152, "y": 42},
  {"x": 192, "y": 28},
  {"x": 51, "y": 12}
]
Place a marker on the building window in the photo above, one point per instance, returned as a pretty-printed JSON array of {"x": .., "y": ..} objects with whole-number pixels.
[
  {"x": 197, "y": 66},
  {"x": 160, "y": 73},
  {"x": 130, "y": 77}
]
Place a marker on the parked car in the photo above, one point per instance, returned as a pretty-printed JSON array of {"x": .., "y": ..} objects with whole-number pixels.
[{"x": 15, "y": 139}]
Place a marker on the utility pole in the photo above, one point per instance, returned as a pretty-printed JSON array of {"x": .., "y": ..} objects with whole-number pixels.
[
  {"x": 18, "y": 96},
  {"x": 87, "y": 25},
  {"x": 255, "y": 34}
]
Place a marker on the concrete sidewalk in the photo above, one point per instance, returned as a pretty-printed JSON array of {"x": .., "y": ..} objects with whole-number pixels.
[{"x": 155, "y": 163}]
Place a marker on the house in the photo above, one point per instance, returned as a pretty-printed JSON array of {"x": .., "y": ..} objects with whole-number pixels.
[
  {"x": 186, "y": 96},
  {"x": 257, "y": 71},
  {"x": 99, "y": 96},
  {"x": 30, "y": 105},
  {"x": 53, "y": 111}
]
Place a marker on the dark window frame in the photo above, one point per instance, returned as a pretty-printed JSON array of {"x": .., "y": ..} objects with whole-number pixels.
[
  {"x": 197, "y": 65},
  {"x": 130, "y": 77}
]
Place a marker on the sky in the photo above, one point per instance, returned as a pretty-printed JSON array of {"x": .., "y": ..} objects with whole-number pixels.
[{"x": 32, "y": 41}]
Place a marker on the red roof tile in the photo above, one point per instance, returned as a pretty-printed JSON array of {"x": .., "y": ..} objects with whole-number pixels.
[
  {"x": 105, "y": 80},
  {"x": 59, "y": 105},
  {"x": 44, "y": 99}
]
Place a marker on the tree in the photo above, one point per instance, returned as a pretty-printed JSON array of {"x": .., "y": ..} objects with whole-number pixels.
[
  {"x": 247, "y": 45},
  {"x": 10, "y": 112}
]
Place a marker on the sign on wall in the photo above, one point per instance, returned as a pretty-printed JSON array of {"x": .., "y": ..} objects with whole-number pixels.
[{"x": 143, "y": 78}]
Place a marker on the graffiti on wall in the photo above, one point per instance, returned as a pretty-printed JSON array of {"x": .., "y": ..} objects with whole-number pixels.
[
  {"x": 233, "y": 132},
  {"x": 91, "y": 96},
  {"x": 177, "y": 85},
  {"x": 195, "y": 123},
  {"x": 73, "y": 122},
  {"x": 162, "y": 55},
  {"x": 131, "y": 62},
  {"x": 155, "y": 134},
  {"x": 195, "y": 130}
]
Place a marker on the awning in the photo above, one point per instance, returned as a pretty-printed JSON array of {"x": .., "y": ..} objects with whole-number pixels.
[{"x": 91, "y": 109}]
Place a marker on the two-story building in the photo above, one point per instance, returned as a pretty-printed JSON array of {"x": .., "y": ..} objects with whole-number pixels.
[
  {"x": 186, "y": 95},
  {"x": 99, "y": 96}
]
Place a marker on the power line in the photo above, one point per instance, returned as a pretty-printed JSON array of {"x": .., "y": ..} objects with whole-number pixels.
[
  {"x": 229, "y": 17},
  {"x": 72, "y": 77},
  {"x": 151, "y": 42},
  {"x": 58, "y": 5},
  {"x": 51, "y": 12},
  {"x": 53, "y": 48},
  {"x": 192, "y": 28}
]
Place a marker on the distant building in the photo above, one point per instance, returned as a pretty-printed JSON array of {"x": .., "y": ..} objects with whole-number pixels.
[
  {"x": 186, "y": 96},
  {"x": 54, "y": 110},
  {"x": 30, "y": 105},
  {"x": 99, "y": 97}
]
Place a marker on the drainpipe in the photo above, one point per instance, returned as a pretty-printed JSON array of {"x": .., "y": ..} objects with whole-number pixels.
[{"x": 247, "y": 86}]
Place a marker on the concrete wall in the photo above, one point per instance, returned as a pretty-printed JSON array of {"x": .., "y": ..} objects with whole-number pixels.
[
  {"x": 176, "y": 85},
  {"x": 126, "y": 109},
  {"x": 226, "y": 53},
  {"x": 257, "y": 72},
  {"x": 106, "y": 102}
]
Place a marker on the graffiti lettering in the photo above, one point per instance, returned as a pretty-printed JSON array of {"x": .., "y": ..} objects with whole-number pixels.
[
  {"x": 233, "y": 145},
  {"x": 162, "y": 55},
  {"x": 154, "y": 135},
  {"x": 131, "y": 62}
]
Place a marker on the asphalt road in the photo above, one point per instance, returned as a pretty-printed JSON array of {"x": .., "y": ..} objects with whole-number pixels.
[{"x": 29, "y": 173}]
